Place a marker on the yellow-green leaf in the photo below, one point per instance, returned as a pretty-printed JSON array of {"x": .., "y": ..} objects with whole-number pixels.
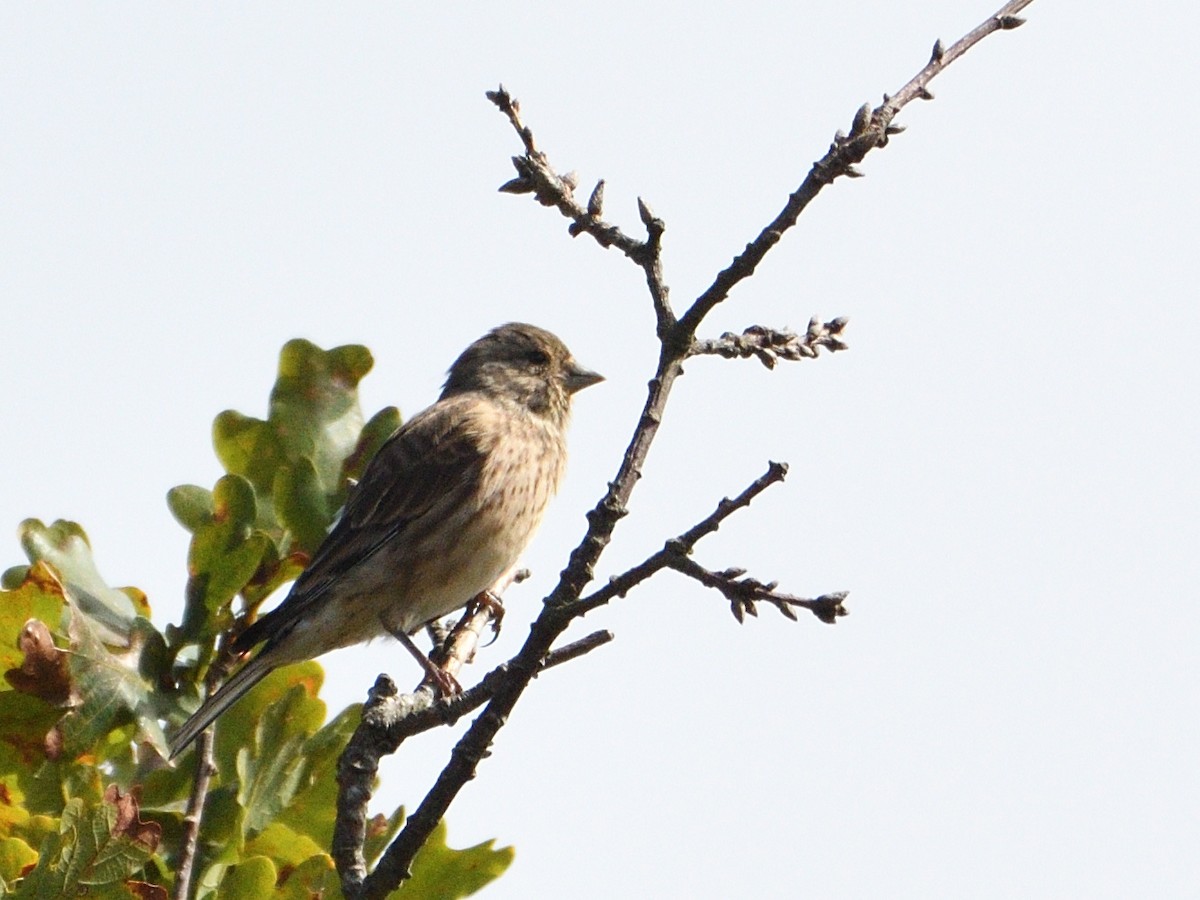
[
  {"x": 248, "y": 880},
  {"x": 283, "y": 845},
  {"x": 440, "y": 873},
  {"x": 191, "y": 505},
  {"x": 15, "y": 855},
  {"x": 312, "y": 879}
]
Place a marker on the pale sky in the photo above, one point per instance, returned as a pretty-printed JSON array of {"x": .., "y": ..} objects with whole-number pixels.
[{"x": 1001, "y": 470}]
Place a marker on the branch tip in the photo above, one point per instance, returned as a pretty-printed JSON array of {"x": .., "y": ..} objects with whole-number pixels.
[
  {"x": 652, "y": 222},
  {"x": 768, "y": 345}
]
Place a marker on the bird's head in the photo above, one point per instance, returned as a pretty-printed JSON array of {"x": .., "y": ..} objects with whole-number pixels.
[{"x": 523, "y": 363}]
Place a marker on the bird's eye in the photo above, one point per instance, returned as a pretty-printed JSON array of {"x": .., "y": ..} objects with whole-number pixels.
[{"x": 537, "y": 357}]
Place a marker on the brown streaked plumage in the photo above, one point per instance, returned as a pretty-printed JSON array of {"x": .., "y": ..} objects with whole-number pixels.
[{"x": 443, "y": 511}]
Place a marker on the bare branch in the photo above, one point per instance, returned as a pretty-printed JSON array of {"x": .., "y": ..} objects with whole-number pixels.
[
  {"x": 869, "y": 130},
  {"x": 744, "y": 593},
  {"x": 680, "y": 546},
  {"x": 1005, "y": 19},
  {"x": 206, "y": 767},
  {"x": 741, "y": 592},
  {"x": 388, "y": 719},
  {"x": 536, "y": 176},
  {"x": 768, "y": 345}
]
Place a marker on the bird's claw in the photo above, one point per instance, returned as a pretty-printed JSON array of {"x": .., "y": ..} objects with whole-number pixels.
[
  {"x": 490, "y": 600},
  {"x": 444, "y": 684}
]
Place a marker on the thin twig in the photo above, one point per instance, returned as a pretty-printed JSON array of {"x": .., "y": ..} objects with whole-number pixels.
[
  {"x": 769, "y": 345},
  {"x": 743, "y": 593},
  {"x": 205, "y": 769},
  {"x": 535, "y": 176},
  {"x": 869, "y": 130},
  {"x": 620, "y": 585}
]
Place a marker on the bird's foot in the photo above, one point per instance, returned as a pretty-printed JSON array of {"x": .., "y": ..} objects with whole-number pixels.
[
  {"x": 490, "y": 601},
  {"x": 444, "y": 684}
]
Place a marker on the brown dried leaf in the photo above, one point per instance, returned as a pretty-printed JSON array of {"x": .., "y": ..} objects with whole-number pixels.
[
  {"x": 128, "y": 821},
  {"x": 43, "y": 673}
]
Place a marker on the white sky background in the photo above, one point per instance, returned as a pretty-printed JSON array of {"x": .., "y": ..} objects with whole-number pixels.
[{"x": 1002, "y": 469}]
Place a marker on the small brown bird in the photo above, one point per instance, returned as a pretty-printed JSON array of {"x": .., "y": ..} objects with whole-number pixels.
[{"x": 443, "y": 511}]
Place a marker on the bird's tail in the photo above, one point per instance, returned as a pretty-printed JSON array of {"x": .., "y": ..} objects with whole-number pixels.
[{"x": 229, "y": 693}]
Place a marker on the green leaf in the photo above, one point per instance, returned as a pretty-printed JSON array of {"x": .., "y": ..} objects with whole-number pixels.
[
  {"x": 248, "y": 447},
  {"x": 315, "y": 404},
  {"x": 314, "y": 878},
  {"x": 374, "y": 434},
  {"x": 313, "y": 808},
  {"x": 273, "y": 770},
  {"x": 313, "y": 414},
  {"x": 300, "y": 504},
  {"x": 284, "y": 846},
  {"x": 31, "y": 785},
  {"x": 234, "y": 503},
  {"x": 273, "y": 571},
  {"x": 242, "y": 725},
  {"x": 225, "y": 565},
  {"x": 268, "y": 784},
  {"x": 248, "y": 880},
  {"x": 65, "y": 548},
  {"x": 221, "y": 829},
  {"x": 191, "y": 505},
  {"x": 440, "y": 873},
  {"x": 98, "y": 846},
  {"x": 108, "y": 690},
  {"x": 224, "y": 555}
]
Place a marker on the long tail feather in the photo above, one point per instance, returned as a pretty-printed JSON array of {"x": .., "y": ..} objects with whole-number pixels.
[{"x": 228, "y": 694}]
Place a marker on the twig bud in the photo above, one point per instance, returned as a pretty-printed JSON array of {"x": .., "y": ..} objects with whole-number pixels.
[
  {"x": 862, "y": 119},
  {"x": 595, "y": 207},
  {"x": 645, "y": 212},
  {"x": 517, "y": 186}
]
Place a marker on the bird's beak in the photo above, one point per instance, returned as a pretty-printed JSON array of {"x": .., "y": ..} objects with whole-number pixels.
[{"x": 578, "y": 377}]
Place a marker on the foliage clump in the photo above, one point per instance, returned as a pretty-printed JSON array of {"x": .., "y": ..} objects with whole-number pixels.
[{"x": 88, "y": 802}]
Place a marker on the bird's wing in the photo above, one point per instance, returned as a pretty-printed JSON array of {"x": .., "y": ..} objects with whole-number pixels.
[{"x": 432, "y": 464}]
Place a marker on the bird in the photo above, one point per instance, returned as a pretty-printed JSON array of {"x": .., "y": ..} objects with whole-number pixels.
[{"x": 442, "y": 512}]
